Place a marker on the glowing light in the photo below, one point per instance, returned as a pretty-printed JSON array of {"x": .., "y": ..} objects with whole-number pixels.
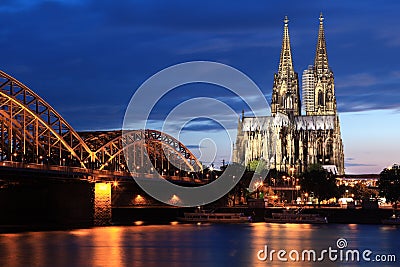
[
  {"x": 115, "y": 183},
  {"x": 174, "y": 200},
  {"x": 174, "y": 223},
  {"x": 102, "y": 186},
  {"x": 102, "y": 203},
  {"x": 138, "y": 223},
  {"x": 139, "y": 200}
]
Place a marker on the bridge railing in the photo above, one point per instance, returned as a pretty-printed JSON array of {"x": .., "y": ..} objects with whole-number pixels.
[{"x": 97, "y": 174}]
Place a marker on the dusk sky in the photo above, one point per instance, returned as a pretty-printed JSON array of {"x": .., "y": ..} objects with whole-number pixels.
[{"x": 86, "y": 58}]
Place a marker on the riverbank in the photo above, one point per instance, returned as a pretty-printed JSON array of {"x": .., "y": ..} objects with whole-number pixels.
[
  {"x": 167, "y": 215},
  {"x": 128, "y": 215}
]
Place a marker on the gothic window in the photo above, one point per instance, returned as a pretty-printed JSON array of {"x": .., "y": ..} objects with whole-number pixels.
[
  {"x": 329, "y": 96},
  {"x": 289, "y": 102},
  {"x": 296, "y": 148},
  {"x": 284, "y": 146},
  {"x": 329, "y": 149},
  {"x": 305, "y": 153},
  {"x": 320, "y": 98},
  {"x": 320, "y": 150}
]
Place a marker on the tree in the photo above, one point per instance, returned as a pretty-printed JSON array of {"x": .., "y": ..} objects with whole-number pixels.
[
  {"x": 389, "y": 183},
  {"x": 259, "y": 166},
  {"x": 319, "y": 181},
  {"x": 361, "y": 191}
]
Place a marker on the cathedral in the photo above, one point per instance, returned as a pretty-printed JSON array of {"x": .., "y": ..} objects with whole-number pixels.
[{"x": 287, "y": 140}]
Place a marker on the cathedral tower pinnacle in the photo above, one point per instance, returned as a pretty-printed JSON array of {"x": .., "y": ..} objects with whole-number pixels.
[
  {"x": 324, "y": 87},
  {"x": 321, "y": 55},
  {"x": 285, "y": 92}
]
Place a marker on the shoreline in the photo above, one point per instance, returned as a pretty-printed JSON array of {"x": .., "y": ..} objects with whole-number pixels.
[{"x": 129, "y": 216}]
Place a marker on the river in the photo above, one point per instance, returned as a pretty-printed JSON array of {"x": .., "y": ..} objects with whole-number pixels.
[{"x": 203, "y": 245}]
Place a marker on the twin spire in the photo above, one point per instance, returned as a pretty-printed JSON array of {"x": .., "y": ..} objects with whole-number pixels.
[
  {"x": 286, "y": 63},
  {"x": 321, "y": 56},
  {"x": 285, "y": 92}
]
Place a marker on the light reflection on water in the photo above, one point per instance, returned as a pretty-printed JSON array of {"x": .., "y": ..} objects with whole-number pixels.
[{"x": 188, "y": 245}]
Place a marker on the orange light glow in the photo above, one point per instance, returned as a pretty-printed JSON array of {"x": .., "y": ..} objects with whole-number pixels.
[
  {"x": 102, "y": 186},
  {"x": 139, "y": 200},
  {"x": 174, "y": 200}
]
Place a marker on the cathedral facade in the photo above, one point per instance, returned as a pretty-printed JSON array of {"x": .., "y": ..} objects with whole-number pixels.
[{"x": 288, "y": 140}]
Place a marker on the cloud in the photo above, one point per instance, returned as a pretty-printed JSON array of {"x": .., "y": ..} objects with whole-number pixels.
[
  {"x": 194, "y": 146},
  {"x": 358, "y": 80},
  {"x": 359, "y": 165},
  {"x": 352, "y": 162},
  {"x": 82, "y": 56}
]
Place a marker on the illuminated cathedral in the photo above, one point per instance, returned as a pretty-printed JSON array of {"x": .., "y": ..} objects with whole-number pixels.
[{"x": 288, "y": 140}]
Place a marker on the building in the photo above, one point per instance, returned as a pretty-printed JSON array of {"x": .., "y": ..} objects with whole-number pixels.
[
  {"x": 307, "y": 85},
  {"x": 288, "y": 140}
]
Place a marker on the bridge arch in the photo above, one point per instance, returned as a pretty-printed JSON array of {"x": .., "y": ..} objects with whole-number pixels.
[
  {"x": 161, "y": 148},
  {"x": 32, "y": 131}
]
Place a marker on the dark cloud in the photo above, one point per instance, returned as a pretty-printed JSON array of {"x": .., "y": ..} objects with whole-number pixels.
[
  {"x": 86, "y": 58},
  {"x": 203, "y": 126},
  {"x": 359, "y": 165},
  {"x": 352, "y": 162},
  {"x": 194, "y": 146}
]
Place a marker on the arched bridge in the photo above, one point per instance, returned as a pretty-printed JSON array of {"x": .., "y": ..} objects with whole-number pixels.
[
  {"x": 32, "y": 133},
  {"x": 160, "y": 148}
]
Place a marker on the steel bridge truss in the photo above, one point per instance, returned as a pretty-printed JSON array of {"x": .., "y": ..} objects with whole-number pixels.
[
  {"x": 149, "y": 150},
  {"x": 31, "y": 131}
]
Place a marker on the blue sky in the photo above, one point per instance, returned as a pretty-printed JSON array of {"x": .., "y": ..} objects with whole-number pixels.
[{"x": 86, "y": 58}]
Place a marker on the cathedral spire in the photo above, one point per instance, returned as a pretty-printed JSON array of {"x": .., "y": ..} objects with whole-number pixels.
[
  {"x": 285, "y": 92},
  {"x": 286, "y": 64},
  {"x": 321, "y": 55},
  {"x": 323, "y": 86}
]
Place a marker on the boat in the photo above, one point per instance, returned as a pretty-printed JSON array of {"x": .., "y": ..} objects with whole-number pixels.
[
  {"x": 214, "y": 217},
  {"x": 393, "y": 220},
  {"x": 296, "y": 216}
]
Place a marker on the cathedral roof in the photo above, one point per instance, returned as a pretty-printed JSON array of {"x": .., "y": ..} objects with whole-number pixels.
[
  {"x": 315, "y": 122},
  {"x": 281, "y": 120}
]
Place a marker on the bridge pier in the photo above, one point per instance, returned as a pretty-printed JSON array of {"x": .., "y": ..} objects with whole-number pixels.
[{"x": 102, "y": 204}]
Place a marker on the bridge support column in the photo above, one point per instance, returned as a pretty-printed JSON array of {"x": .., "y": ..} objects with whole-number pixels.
[{"x": 102, "y": 204}]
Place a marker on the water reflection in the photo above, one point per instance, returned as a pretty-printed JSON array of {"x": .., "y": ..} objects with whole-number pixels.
[{"x": 186, "y": 245}]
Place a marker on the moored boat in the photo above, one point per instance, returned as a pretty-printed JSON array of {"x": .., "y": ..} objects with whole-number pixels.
[
  {"x": 393, "y": 220},
  {"x": 291, "y": 216},
  {"x": 213, "y": 217}
]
